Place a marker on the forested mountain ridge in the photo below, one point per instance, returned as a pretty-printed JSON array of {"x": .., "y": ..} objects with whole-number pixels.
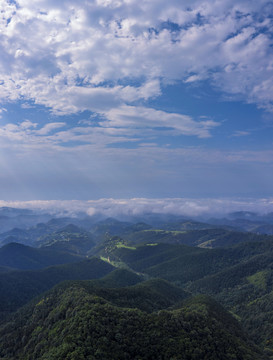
[
  {"x": 239, "y": 277},
  {"x": 71, "y": 239},
  {"x": 207, "y": 238},
  {"x": 18, "y": 256},
  {"x": 19, "y": 287},
  {"x": 73, "y": 322},
  {"x": 180, "y": 262},
  {"x": 234, "y": 268}
]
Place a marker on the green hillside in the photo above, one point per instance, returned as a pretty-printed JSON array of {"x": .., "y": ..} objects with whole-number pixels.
[
  {"x": 141, "y": 291},
  {"x": 184, "y": 263},
  {"x": 239, "y": 277},
  {"x": 119, "y": 278},
  {"x": 151, "y": 295},
  {"x": 70, "y": 239},
  {"x": 19, "y": 287},
  {"x": 19, "y": 256},
  {"x": 176, "y": 262},
  {"x": 246, "y": 289},
  {"x": 73, "y": 322},
  {"x": 207, "y": 238},
  {"x": 30, "y": 235}
]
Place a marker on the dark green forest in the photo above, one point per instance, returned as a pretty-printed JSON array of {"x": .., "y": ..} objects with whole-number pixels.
[
  {"x": 120, "y": 290},
  {"x": 77, "y": 321}
]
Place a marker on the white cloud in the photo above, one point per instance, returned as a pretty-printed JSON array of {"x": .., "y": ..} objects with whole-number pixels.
[
  {"x": 73, "y": 55},
  {"x": 141, "y": 117},
  {"x": 49, "y": 127},
  {"x": 2, "y": 110},
  {"x": 27, "y": 125},
  {"x": 27, "y": 136},
  {"x": 239, "y": 133},
  {"x": 141, "y": 206},
  {"x": 127, "y": 124}
]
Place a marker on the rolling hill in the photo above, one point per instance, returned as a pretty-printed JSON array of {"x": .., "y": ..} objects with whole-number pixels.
[
  {"x": 19, "y": 287},
  {"x": 206, "y": 238},
  {"x": 24, "y": 257},
  {"x": 77, "y": 322},
  {"x": 71, "y": 239}
]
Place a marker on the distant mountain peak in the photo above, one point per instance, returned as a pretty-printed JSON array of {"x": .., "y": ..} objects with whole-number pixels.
[
  {"x": 71, "y": 228},
  {"x": 243, "y": 215}
]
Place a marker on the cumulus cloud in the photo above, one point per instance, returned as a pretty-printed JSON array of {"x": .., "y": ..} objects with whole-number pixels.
[{"x": 77, "y": 55}]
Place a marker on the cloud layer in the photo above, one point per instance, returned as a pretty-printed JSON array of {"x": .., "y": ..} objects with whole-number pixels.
[
  {"x": 98, "y": 55},
  {"x": 141, "y": 206}
]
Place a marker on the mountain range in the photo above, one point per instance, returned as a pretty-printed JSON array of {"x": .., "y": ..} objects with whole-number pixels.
[{"x": 182, "y": 289}]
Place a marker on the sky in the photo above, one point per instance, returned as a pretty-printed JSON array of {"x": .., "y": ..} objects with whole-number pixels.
[{"x": 136, "y": 99}]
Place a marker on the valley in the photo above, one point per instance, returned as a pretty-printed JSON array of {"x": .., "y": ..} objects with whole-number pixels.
[{"x": 74, "y": 289}]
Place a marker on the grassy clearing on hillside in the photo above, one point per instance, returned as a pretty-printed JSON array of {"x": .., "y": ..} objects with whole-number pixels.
[
  {"x": 174, "y": 232},
  {"x": 116, "y": 264},
  {"x": 258, "y": 279},
  {"x": 125, "y": 246}
]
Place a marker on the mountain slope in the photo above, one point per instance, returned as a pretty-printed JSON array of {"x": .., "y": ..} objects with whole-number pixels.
[
  {"x": 70, "y": 239},
  {"x": 72, "y": 322},
  {"x": 19, "y": 287},
  {"x": 184, "y": 263},
  {"x": 24, "y": 257},
  {"x": 207, "y": 238},
  {"x": 246, "y": 289}
]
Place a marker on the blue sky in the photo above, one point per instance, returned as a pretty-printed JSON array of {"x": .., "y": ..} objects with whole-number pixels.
[{"x": 136, "y": 99}]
